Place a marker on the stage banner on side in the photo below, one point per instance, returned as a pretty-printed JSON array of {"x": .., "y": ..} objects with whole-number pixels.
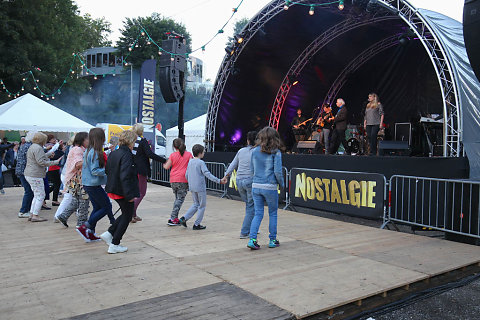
[
  {"x": 232, "y": 189},
  {"x": 352, "y": 193},
  {"x": 146, "y": 94}
]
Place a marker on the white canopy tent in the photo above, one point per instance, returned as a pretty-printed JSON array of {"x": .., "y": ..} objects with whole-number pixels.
[
  {"x": 28, "y": 113},
  {"x": 194, "y": 131}
]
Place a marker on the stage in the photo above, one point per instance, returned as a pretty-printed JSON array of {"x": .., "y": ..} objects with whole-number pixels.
[
  {"x": 322, "y": 266},
  {"x": 434, "y": 167}
]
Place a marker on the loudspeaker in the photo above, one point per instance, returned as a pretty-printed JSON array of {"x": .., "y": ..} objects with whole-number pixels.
[
  {"x": 471, "y": 28},
  {"x": 308, "y": 147},
  {"x": 393, "y": 148},
  {"x": 171, "y": 84},
  {"x": 177, "y": 47}
]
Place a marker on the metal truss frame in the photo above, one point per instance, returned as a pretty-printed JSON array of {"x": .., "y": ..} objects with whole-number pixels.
[{"x": 356, "y": 63}]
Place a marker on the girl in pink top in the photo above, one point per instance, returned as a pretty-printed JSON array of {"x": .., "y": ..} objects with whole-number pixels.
[{"x": 178, "y": 161}]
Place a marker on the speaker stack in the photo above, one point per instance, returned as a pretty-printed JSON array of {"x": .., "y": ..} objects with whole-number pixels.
[
  {"x": 172, "y": 71},
  {"x": 471, "y": 30}
]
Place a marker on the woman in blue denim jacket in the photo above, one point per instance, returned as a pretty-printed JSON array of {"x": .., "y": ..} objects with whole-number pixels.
[
  {"x": 93, "y": 177},
  {"x": 266, "y": 165}
]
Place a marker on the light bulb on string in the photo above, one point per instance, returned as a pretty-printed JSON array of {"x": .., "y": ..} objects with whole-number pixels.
[
  {"x": 23, "y": 89},
  {"x": 341, "y": 5},
  {"x": 312, "y": 10},
  {"x": 95, "y": 77},
  {"x": 287, "y": 5},
  {"x": 37, "y": 80},
  {"x": 48, "y": 98},
  {"x": 148, "y": 42},
  {"x": 34, "y": 88},
  {"x": 113, "y": 75},
  {"x": 23, "y": 79},
  {"x": 53, "y": 97},
  {"x": 172, "y": 58},
  {"x": 130, "y": 49},
  {"x": 159, "y": 53},
  {"x": 143, "y": 33},
  {"x": 73, "y": 72},
  {"x": 203, "y": 48}
]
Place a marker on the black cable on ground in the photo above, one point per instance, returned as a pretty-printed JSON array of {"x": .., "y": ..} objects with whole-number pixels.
[{"x": 415, "y": 297}]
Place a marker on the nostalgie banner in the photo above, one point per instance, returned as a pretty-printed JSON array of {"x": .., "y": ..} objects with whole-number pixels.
[
  {"x": 232, "y": 189},
  {"x": 146, "y": 94},
  {"x": 357, "y": 194}
]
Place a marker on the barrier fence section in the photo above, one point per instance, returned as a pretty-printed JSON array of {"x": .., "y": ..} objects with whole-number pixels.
[
  {"x": 159, "y": 174},
  {"x": 440, "y": 204},
  {"x": 218, "y": 170}
]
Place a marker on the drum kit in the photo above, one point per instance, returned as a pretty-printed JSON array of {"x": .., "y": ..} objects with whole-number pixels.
[{"x": 357, "y": 142}]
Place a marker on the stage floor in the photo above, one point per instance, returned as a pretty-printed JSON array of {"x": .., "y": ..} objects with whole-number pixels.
[{"x": 177, "y": 273}]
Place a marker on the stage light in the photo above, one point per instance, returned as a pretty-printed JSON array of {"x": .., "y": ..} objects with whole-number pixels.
[
  {"x": 341, "y": 5},
  {"x": 312, "y": 10},
  {"x": 287, "y": 5},
  {"x": 238, "y": 38},
  {"x": 295, "y": 83}
]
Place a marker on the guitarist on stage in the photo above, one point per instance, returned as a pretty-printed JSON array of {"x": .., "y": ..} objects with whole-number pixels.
[
  {"x": 325, "y": 123},
  {"x": 298, "y": 126}
]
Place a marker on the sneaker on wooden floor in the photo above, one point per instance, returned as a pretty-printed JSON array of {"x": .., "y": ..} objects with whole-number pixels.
[
  {"x": 107, "y": 237},
  {"x": 174, "y": 222},
  {"x": 116, "y": 248},
  {"x": 24, "y": 215},
  {"x": 82, "y": 230}
]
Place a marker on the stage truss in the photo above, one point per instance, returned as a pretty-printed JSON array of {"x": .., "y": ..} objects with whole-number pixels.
[{"x": 394, "y": 9}]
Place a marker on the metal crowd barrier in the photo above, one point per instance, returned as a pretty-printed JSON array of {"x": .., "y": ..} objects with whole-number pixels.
[
  {"x": 218, "y": 170},
  {"x": 440, "y": 204},
  {"x": 159, "y": 174},
  {"x": 286, "y": 176}
]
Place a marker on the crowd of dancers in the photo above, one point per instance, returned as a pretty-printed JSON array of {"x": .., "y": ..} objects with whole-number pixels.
[{"x": 93, "y": 174}]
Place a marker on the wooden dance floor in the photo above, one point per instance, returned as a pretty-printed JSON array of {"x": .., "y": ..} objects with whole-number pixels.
[{"x": 49, "y": 272}]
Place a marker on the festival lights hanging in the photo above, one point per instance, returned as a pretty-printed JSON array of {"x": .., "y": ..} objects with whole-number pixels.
[{"x": 149, "y": 41}]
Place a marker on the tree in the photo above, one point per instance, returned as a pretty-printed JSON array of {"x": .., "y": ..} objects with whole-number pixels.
[
  {"x": 41, "y": 36},
  {"x": 239, "y": 24},
  {"x": 156, "y": 25}
]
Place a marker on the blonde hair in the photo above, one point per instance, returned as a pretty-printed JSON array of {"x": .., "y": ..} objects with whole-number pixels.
[
  {"x": 127, "y": 138},
  {"x": 138, "y": 129},
  {"x": 375, "y": 102},
  {"x": 39, "y": 138},
  {"x": 341, "y": 100}
]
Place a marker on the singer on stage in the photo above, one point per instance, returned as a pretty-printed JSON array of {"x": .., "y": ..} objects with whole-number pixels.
[{"x": 373, "y": 121}]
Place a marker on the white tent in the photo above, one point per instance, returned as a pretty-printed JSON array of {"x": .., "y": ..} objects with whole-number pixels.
[
  {"x": 194, "y": 131},
  {"x": 28, "y": 113}
]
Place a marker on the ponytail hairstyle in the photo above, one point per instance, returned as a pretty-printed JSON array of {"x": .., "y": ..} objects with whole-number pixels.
[
  {"x": 179, "y": 145},
  {"x": 375, "y": 101},
  {"x": 96, "y": 136}
]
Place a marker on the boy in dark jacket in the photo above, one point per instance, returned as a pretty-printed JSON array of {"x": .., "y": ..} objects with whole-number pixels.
[{"x": 122, "y": 186}]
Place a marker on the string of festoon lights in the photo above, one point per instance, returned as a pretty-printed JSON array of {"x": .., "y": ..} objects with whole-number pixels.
[{"x": 143, "y": 33}]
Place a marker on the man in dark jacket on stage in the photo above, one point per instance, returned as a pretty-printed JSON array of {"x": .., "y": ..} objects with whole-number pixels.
[{"x": 340, "y": 123}]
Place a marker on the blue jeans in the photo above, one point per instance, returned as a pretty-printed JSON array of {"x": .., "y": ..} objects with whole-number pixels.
[
  {"x": 1, "y": 177},
  {"x": 244, "y": 187},
  {"x": 27, "y": 195},
  {"x": 101, "y": 206},
  {"x": 271, "y": 198}
]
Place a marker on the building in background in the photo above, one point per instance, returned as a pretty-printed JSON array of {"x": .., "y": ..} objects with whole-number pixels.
[
  {"x": 102, "y": 61},
  {"x": 195, "y": 79}
]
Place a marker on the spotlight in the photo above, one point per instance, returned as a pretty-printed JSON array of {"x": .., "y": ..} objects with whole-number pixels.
[
  {"x": 403, "y": 40},
  {"x": 235, "y": 71},
  {"x": 295, "y": 83},
  {"x": 238, "y": 38},
  {"x": 312, "y": 10}
]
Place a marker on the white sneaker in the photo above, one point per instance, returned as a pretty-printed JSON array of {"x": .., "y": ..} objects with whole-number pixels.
[
  {"x": 107, "y": 237},
  {"x": 112, "y": 248},
  {"x": 24, "y": 215}
]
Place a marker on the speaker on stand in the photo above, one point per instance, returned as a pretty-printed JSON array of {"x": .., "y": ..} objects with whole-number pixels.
[{"x": 172, "y": 70}]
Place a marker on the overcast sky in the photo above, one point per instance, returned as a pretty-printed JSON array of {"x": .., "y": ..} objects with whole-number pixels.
[{"x": 203, "y": 18}]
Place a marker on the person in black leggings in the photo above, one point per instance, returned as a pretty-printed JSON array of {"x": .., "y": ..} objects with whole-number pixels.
[
  {"x": 373, "y": 121},
  {"x": 122, "y": 186}
]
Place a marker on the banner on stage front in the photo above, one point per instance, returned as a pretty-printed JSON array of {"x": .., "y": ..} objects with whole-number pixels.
[
  {"x": 232, "y": 188},
  {"x": 146, "y": 94},
  {"x": 352, "y": 193}
]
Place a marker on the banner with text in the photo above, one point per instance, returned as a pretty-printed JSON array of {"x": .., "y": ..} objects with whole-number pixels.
[
  {"x": 352, "y": 193},
  {"x": 146, "y": 94},
  {"x": 232, "y": 188}
]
